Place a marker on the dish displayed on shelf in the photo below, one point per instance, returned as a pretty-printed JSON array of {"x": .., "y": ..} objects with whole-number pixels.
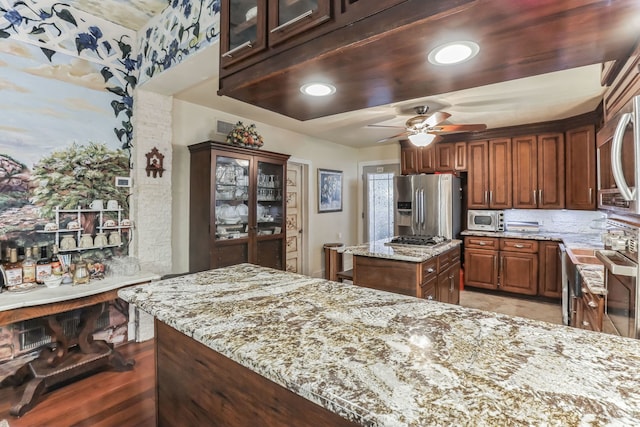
[
  {"x": 109, "y": 223},
  {"x": 73, "y": 225},
  {"x": 242, "y": 209},
  {"x": 234, "y": 220},
  {"x": 24, "y": 287},
  {"x": 261, "y": 210},
  {"x": 51, "y": 226}
]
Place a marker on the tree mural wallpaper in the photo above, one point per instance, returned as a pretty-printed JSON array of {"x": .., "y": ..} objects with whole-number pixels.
[{"x": 66, "y": 130}]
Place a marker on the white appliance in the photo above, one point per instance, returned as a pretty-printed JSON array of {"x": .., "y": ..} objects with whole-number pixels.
[
  {"x": 619, "y": 161},
  {"x": 427, "y": 205},
  {"x": 485, "y": 220}
]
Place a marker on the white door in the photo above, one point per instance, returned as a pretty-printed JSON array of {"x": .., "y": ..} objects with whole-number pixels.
[
  {"x": 378, "y": 200},
  {"x": 295, "y": 213}
]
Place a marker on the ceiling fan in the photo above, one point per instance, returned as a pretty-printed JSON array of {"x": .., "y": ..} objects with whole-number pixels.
[{"x": 426, "y": 129}]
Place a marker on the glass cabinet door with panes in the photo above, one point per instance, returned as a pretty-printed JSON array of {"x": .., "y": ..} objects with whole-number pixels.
[{"x": 237, "y": 207}]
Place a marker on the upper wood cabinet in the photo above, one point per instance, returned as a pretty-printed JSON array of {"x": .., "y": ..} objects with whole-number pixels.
[
  {"x": 538, "y": 171},
  {"x": 427, "y": 159},
  {"x": 244, "y": 30},
  {"x": 581, "y": 168},
  {"x": 408, "y": 158},
  {"x": 445, "y": 157},
  {"x": 489, "y": 178},
  {"x": 450, "y": 157},
  {"x": 288, "y": 18}
]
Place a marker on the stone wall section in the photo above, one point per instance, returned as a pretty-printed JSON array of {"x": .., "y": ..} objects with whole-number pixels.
[{"x": 151, "y": 197}]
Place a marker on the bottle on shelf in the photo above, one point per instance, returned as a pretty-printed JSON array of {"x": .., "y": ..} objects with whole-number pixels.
[
  {"x": 56, "y": 266},
  {"x": 43, "y": 266},
  {"x": 13, "y": 270},
  {"x": 28, "y": 267}
]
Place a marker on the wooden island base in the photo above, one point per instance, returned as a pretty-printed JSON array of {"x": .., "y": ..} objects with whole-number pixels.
[{"x": 198, "y": 386}]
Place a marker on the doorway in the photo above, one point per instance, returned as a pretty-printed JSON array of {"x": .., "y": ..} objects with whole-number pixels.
[
  {"x": 296, "y": 239},
  {"x": 378, "y": 201}
]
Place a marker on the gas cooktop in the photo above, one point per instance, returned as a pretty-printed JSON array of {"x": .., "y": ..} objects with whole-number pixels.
[{"x": 418, "y": 240}]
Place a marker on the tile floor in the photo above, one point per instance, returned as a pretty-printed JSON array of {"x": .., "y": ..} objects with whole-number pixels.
[{"x": 514, "y": 306}]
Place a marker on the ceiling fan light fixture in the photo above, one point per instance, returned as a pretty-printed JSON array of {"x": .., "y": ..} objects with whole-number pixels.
[
  {"x": 318, "y": 89},
  {"x": 421, "y": 139},
  {"x": 453, "y": 53}
]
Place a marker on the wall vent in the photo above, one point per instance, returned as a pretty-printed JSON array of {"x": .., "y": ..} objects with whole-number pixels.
[{"x": 223, "y": 128}]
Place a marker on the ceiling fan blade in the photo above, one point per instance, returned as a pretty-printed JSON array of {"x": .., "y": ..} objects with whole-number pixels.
[
  {"x": 385, "y": 126},
  {"x": 393, "y": 137},
  {"x": 457, "y": 128},
  {"x": 435, "y": 118}
]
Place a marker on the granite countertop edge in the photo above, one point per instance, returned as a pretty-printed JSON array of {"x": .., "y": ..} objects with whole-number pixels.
[
  {"x": 383, "y": 359},
  {"x": 384, "y": 249}
]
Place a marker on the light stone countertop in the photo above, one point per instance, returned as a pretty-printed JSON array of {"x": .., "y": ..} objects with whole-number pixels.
[
  {"x": 384, "y": 359},
  {"x": 43, "y": 295},
  {"x": 383, "y": 249}
]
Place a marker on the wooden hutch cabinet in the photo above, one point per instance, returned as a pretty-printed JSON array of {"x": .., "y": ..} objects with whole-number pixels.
[{"x": 237, "y": 207}]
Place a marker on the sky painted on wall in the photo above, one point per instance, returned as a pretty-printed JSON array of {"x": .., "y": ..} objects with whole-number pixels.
[{"x": 46, "y": 106}]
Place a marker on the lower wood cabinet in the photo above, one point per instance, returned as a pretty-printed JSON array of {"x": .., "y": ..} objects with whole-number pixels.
[
  {"x": 550, "y": 270},
  {"x": 511, "y": 265},
  {"x": 437, "y": 278}
]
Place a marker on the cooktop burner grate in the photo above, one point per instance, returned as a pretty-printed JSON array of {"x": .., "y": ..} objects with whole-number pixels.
[{"x": 418, "y": 240}]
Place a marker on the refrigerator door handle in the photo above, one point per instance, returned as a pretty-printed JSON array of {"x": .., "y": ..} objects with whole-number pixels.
[
  {"x": 416, "y": 209},
  {"x": 422, "y": 210}
]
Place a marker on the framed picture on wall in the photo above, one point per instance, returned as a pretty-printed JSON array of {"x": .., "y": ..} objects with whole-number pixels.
[{"x": 329, "y": 190}]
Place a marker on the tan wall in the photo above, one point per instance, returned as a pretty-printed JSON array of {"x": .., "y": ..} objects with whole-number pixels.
[{"x": 193, "y": 124}]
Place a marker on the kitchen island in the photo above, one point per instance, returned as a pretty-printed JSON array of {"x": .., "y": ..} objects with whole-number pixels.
[
  {"x": 255, "y": 341},
  {"x": 430, "y": 272}
]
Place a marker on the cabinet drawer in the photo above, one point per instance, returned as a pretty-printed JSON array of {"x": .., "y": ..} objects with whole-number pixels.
[
  {"x": 516, "y": 245},
  {"x": 592, "y": 310},
  {"x": 473, "y": 242},
  {"x": 448, "y": 258},
  {"x": 429, "y": 269}
]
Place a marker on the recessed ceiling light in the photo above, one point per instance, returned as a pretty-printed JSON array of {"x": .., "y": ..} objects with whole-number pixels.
[
  {"x": 318, "y": 89},
  {"x": 453, "y": 53}
]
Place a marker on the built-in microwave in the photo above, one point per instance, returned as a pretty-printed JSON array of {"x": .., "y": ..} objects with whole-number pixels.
[
  {"x": 485, "y": 220},
  {"x": 619, "y": 161}
]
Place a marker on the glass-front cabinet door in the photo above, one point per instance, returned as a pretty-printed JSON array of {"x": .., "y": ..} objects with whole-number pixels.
[
  {"x": 288, "y": 18},
  {"x": 270, "y": 214},
  {"x": 244, "y": 30},
  {"x": 232, "y": 198}
]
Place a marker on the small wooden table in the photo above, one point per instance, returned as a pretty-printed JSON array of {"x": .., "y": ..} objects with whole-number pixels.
[{"x": 65, "y": 359}]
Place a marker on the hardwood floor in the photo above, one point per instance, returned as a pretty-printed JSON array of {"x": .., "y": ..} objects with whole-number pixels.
[{"x": 104, "y": 399}]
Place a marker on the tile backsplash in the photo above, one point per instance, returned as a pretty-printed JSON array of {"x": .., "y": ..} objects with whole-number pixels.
[{"x": 560, "y": 220}]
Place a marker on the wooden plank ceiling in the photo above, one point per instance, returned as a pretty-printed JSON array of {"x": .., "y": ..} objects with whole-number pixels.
[{"x": 517, "y": 38}]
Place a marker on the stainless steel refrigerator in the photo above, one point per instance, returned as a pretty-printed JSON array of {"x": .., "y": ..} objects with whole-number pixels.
[{"x": 427, "y": 205}]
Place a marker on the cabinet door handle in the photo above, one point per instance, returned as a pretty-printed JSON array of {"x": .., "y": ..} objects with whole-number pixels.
[
  {"x": 292, "y": 21},
  {"x": 490, "y": 197},
  {"x": 592, "y": 304},
  {"x": 518, "y": 245},
  {"x": 590, "y": 194},
  {"x": 585, "y": 323},
  {"x": 540, "y": 196},
  {"x": 485, "y": 197},
  {"x": 232, "y": 52},
  {"x": 450, "y": 283},
  {"x": 430, "y": 297},
  {"x": 482, "y": 243},
  {"x": 430, "y": 270},
  {"x": 535, "y": 199}
]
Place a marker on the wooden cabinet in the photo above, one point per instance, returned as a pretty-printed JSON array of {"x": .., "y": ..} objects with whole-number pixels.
[
  {"x": 538, "y": 171},
  {"x": 427, "y": 159},
  {"x": 580, "y": 168},
  {"x": 590, "y": 312},
  {"x": 625, "y": 83},
  {"x": 494, "y": 263},
  {"x": 237, "y": 207},
  {"x": 446, "y": 157},
  {"x": 518, "y": 271},
  {"x": 451, "y": 157},
  {"x": 244, "y": 30},
  {"x": 437, "y": 278},
  {"x": 550, "y": 273},
  {"x": 289, "y": 18},
  {"x": 481, "y": 262},
  {"x": 490, "y": 177}
]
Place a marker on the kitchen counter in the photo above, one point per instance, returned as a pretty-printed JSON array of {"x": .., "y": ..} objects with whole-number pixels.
[
  {"x": 573, "y": 240},
  {"x": 383, "y": 359},
  {"x": 383, "y": 249}
]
